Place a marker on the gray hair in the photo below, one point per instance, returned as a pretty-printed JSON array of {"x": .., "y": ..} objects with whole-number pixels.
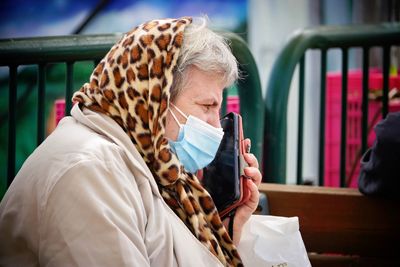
[{"x": 206, "y": 50}]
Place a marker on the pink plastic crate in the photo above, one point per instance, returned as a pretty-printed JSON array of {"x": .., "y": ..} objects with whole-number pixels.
[
  {"x": 354, "y": 113},
  {"x": 60, "y": 109},
  {"x": 232, "y": 104}
]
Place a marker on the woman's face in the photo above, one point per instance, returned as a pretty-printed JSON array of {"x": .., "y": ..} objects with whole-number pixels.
[{"x": 201, "y": 97}]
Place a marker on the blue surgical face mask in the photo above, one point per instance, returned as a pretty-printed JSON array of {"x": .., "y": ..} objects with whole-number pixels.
[{"x": 197, "y": 142}]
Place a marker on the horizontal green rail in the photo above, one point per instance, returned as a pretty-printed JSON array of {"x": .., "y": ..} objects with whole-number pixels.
[
  {"x": 42, "y": 51},
  {"x": 276, "y": 101},
  {"x": 25, "y": 51}
]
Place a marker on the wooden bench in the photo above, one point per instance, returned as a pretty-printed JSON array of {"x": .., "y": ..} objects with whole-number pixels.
[{"x": 340, "y": 226}]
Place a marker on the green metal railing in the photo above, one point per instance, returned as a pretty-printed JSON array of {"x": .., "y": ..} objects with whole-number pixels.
[
  {"x": 43, "y": 51},
  {"x": 292, "y": 55}
]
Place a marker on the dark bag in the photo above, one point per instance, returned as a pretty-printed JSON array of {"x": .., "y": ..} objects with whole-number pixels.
[{"x": 380, "y": 165}]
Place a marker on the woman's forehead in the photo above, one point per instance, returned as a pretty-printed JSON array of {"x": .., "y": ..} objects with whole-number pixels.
[{"x": 203, "y": 85}]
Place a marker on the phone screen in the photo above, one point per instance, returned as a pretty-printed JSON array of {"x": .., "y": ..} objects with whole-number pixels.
[{"x": 221, "y": 177}]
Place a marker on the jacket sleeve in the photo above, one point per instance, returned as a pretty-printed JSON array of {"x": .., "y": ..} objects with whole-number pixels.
[{"x": 93, "y": 216}]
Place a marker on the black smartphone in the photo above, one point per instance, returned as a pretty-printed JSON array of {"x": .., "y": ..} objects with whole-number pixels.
[{"x": 221, "y": 177}]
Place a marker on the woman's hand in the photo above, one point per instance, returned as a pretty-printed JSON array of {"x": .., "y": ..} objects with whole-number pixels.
[{"x": 244, "y": 211}]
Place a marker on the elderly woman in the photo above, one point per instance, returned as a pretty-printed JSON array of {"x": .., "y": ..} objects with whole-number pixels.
[{"x": 112, "y": 185}]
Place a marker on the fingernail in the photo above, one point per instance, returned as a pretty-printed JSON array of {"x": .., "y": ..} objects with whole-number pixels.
[{"x": 248, "y": 148}]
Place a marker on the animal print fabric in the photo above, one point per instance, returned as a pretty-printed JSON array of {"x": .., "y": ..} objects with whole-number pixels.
[{"x": 132, "y": 85}]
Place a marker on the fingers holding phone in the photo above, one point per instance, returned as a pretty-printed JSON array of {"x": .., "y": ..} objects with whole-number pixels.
[
  {"x": 254, "y": 176},
  {"x": 252, "y": 170},
  {"x": 254, "y": 180},
  {"x": 252, "y": 203}
]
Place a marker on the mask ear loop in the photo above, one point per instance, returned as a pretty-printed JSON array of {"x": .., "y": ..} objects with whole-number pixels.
[
  {"x": 180, "y": 112},
  {"x": 176, "y": 120}
]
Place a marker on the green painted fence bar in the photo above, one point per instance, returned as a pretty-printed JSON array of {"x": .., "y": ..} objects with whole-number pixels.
[
  {"x": 276, "y": 100},
  {"x": 321, "y": 149},
  {"x": 385, "y": 91},
  {"x": 41, "y": 102},
  {"x": 69, "y": 83},
  {"x": 12, "y": 118},
  {"x": 343, "y": 125},
  {"x": 300, "y": 122},
  {"x": 365, "y": 89},
  {"x": 224, "y": 100}
]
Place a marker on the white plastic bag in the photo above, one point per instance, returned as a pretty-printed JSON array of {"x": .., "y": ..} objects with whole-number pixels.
[{"x": 272, "y": 241}]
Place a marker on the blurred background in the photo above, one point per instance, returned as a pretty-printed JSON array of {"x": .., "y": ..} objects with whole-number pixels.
[{"x": 264, "y": 24}]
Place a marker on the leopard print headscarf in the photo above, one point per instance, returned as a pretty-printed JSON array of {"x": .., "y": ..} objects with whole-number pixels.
[{"x": 132, "y": 85}]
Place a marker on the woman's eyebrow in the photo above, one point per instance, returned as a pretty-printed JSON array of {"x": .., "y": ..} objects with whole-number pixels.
[{"x": 209, "y": 100}]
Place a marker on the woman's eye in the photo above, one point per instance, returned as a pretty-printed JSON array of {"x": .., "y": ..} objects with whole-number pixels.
[{"x": 207, "y": 107}]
